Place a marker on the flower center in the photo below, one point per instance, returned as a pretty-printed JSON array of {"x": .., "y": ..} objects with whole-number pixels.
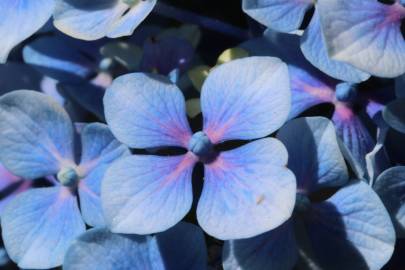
[
  {"x": 201, "y": 145},
  {"x": 346, "y": 92},
  {"x": 68, "y": 176}
]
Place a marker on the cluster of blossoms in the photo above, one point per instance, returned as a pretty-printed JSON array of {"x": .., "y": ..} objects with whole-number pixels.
[{"x": 127, "y": 144}]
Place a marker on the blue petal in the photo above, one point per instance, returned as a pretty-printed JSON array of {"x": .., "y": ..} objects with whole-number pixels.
[
  {"x": 58, "y": 58},
  {"x": 245, "y": 99},
  {"x": 280, "y": 15},
  {"x": 91, "y": 20},
  {"x": 366, "y": 34},
  {"x": 247, "y": 191},
  {"x": 36, "y": 134},
  {"x": 275, "y": 250},
  {"x": 18, "y": 76},
  {"x": 314, "y": 153},
  {"x": 390, "y": 186},
  {"x": 145, "y": 110},
  {"x": 180, "y": 248},
  {"x": 100, "y": 150},
  {"x": 314, "y": 48},
  {"x": 394, "y": 114},
  {"x": 28, "y": 15},
  {"x": 354, "y": 134},
  {"x": 147, "y": 194},
  {"x": 351, "y": 230},
  {"x": 39, "y": 225}
]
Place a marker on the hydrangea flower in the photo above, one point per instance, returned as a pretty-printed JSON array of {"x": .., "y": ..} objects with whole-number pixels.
[
  {"x": 287, "y": 16},
  {"x": 366, "y": 34},
  {"x": 37, "y": 140},
  {"x": 311, "y": 87},
  {"x": 179, "y": 248},
  {"x": 349, "y": 230},
  {"x": 246, "y": 190},
  {"x": 91, "y": 20},
  {"x": 29, "y": 15}
]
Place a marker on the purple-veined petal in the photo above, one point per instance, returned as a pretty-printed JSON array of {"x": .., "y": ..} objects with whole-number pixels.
[
  {"x": 91, "y": 20},
  {"x": 36, "y": 134},
  {"x": 353, "y": 133},
  {"x": 245, "y": 99},
  {"x": 250, "y": 181},
  {"x": 145, "y": 110},
  {"x": 147, "y": 194},
  {"x": 279, "y": 15},
  {"x": 390, "y": 186},
  {"x": 366, "y": 34},
  {"x": 39, "y": 225},
  {"x": 100, "y": 150},
  {"x": 29, "y": 15},
  {"x": 351, "y": 230},
  {"x": 276, "y": 250},
  {"x": 179, "y": 248},
  {"x": 314, "y": 155},
  {"x": 314, "y": 48}
]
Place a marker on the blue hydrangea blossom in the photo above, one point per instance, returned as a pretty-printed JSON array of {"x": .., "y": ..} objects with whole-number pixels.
[
  {"x": 241, "y": 100},
  {"x": 179, "y": 248},
  {"x": 37, "y": 140},
  {"x": 349, "y": 230}
]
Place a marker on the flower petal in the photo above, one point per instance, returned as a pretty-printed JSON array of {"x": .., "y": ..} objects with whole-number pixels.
[
  {"x": 366, "y": 34},
  {"x": 28, "y": 15},
  {"x": 100, "y": 150},
  {"x": 39, "y": 225},
  {"x": 390, "y": 186},
  {"x": 314, "y": 152},
  {"x": 276, "y": 250},
  {"x": 145, "y": 110},
  {"x": 314, "y": 48},
  {"x": 250, "y": 181},
  {"x": 351, "y": 230},
  {"x": 36, "y": 134},
  {"x": 280, "y": 15},
  {"x": 245, "y": 99},
  {"x": 147, "y": 194}
]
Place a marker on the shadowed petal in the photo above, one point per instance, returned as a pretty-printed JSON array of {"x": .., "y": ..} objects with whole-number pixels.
[
  {"x": 145, "y": 110},
  {"x": 351, "y": 230},
  {"x": 147, "y": 194},
  {"x": 39, "y": 225},
  {"x": 245, "y": 99},
  {"x": 250, "y": 181},
  {"x": 314, "y": 153},
  {"x": 366, "y": 34},
  {"x": 36, "y": 134},
  {"x": 100, "y": 150},
  {"x": 274, "y": 250}
]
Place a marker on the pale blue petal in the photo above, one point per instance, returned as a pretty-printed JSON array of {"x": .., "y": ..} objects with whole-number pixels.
[
  {"x": 280, "y": 15},
  {"x": 247, "y": 191},
  {"x": 179, "y": 248},
  {"x": 147, "y": 194},
  {"x": 36, "y": 134},
  {"x": 366, "y": 34},
  {"x": 390, "y": 186},
  {"x": 39, "y": 225},
  {"x": 100, "y": 150},
  {"x": 351, "y": 230},
  {"x": 275, "y": 250},
  {"x": 314, "y": 48},
  {"x": 245, "y": 99},
  {"x": 314, "y": 155},
  {"x": 145, "y": 110},
  {"x": 91, "y": 20},
  {"x": 28, "y": 15}
]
